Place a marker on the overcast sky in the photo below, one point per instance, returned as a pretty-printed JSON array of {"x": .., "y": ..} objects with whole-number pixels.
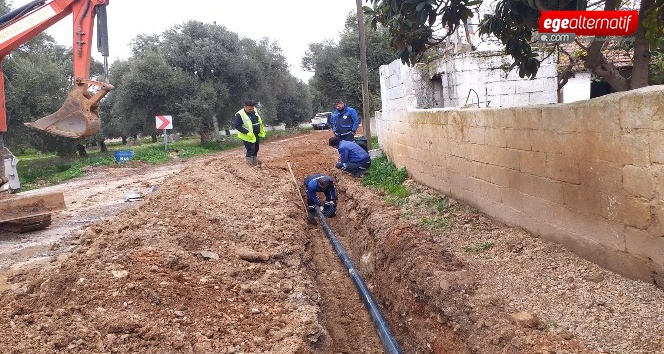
[{"x": 292, "y": 23}]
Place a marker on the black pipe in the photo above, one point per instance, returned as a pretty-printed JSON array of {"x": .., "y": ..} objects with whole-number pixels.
[{"x": 384, "y": 333}]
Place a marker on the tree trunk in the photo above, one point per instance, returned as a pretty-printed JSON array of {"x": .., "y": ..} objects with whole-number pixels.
[
  {"x": 102, "y": 146},
  {"x": 596, "y": 62},
  {"x": 124, "y": 140},
  {"x": 217, "y": 132},
  {"x": 227, "y": 131},
  {"x": 81, "y": 150},
  {"x": 154, "y": 138},
  {"x": 206, "y": 135},
  {"x": 641, "y": 50}
]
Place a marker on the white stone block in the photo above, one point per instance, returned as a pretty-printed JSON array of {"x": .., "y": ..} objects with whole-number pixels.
[
  {"x": 516, "y": 100},
  {"x": 543, "y": 97}
]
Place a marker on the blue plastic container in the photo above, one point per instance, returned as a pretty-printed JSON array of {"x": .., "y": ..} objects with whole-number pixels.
[{"x": 122, "y": 156}]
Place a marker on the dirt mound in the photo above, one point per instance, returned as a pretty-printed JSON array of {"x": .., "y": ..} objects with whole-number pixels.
[{"x": 220, "y": 259}]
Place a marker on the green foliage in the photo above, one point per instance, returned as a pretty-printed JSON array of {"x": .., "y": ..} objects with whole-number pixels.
[
  {"x": 437, "y": 203},
  {"x": 654, "y": 24},
  {"x": 479, "y": 247},
  {"x": 436, "y": 222},
  {"x": 385, "y": 176},
  {"x": 657, "y": 64},
  {"x": 374, "y": 143},
  {"x": 336, "y": 67},
  {"x": 411, "y": 22},
  {"x": 417, "y": 26},
  {"x": 36, "y": 172}
]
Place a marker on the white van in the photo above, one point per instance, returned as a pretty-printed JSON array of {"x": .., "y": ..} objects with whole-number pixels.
[{"x": 320, "y": 121}]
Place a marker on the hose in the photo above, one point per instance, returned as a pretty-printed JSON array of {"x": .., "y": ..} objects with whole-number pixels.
[{"x": 384, "y": 333}]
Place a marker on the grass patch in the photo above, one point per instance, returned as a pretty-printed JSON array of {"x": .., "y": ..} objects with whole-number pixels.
[
  {"x": 435, "y": 204},
  {"x": 436, "y": 223},
  {"x": 37, "y": 170},
  {"x": 479, "y": 247},
  {"x": 386, "y": 176},
  {"x": 34, "y": 173},
  {"x": 374, "y": 143}
]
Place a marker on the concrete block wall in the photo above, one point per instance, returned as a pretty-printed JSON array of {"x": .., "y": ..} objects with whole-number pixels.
[
  {"x": 588, "y": 175},
  {"x": 484, "y": 73}
]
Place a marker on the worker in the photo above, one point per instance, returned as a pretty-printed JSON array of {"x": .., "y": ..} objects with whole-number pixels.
[
  {"x": 320, "y": 183},
  {"x": 344, "y": 121},
  {"x": 250, "y": 129},
  {"x": 352, "y": 157}
]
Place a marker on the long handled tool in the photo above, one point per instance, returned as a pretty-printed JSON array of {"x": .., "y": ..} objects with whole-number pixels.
[{"x": 310, "y": 219}]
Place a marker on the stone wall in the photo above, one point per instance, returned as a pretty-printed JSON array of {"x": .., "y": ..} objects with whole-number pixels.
[
  {"x": 479, "y": 79},
  {"x": 588, "y": 175}
]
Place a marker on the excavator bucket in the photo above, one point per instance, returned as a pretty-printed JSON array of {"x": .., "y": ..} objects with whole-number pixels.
[{"x": 78, "y": 117}]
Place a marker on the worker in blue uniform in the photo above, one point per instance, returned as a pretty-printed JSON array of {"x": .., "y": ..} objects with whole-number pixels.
[
  {"x": 352, "y": 157},
  {"x": 320, "y": 183}
]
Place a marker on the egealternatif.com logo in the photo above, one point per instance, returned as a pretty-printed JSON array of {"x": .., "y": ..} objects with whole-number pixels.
[{"x": 589, "y": 23}]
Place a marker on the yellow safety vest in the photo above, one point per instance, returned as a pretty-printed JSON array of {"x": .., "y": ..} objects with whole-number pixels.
[{"x": 246, "y": 123}]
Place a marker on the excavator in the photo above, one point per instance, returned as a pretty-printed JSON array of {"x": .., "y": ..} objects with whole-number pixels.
[{"x": 77, "y": 118}]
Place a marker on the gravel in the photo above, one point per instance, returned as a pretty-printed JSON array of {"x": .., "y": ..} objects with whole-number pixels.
[{"x": 607, "y": 312}]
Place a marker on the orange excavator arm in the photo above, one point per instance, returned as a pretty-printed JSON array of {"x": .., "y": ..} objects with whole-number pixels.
[{"x": 79, "y": 115}]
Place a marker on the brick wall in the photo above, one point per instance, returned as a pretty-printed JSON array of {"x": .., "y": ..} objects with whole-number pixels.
[{"x": 588, "y": 175}]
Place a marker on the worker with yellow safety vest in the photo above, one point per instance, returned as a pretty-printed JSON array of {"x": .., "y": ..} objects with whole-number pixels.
[{"x": 250, "y": 128}]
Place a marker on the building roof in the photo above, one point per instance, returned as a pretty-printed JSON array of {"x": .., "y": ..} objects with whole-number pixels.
[{"x": 619, "y": 57}]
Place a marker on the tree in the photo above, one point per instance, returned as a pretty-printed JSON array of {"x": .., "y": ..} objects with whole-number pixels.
[
  {"x": 336, "y": 67},
  {"x": 147, "y": 87},
  {"x": 418, "y": 25},
  {"x": 37, "y": 81}
]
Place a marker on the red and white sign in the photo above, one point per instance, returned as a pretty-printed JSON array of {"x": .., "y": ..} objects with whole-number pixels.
[
  {"x": 589, "y": 23},
  {"x": 164, "y": 122}
]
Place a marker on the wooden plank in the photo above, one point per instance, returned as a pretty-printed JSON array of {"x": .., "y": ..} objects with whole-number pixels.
[{"x": 16, "y": 206}]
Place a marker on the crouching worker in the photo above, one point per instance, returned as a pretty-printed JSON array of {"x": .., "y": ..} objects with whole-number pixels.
[
  {"x": 352, "y": 157},
  {"x": 320, "y": 183}
]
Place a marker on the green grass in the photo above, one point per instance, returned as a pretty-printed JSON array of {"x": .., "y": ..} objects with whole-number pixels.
[
  {"x": 386, "y": 176},
  {"x": 37, "y": 170},
  {"x": 374, "y": 143},
  {"x": 434, "y": 204},
  {"x": 479, "y": 247},
  {"x": 436, "y": 223}
]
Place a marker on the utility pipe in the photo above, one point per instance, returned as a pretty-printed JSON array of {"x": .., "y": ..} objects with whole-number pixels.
[{"x": 384, "y": 333}]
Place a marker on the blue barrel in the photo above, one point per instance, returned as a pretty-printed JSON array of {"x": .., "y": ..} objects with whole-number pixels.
[{"x": 123, "y": 156}]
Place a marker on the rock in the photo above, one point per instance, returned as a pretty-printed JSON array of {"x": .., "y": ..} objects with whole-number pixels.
[
  {"x": 251, "y": 255},
  {"x": 209, "y": 255},
  {"x": 120, "y": 273},
  {"x": 526, "y": 319}
]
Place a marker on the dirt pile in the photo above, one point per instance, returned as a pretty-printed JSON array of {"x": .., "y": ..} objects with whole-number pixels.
[{"x": 220, "y": 260}]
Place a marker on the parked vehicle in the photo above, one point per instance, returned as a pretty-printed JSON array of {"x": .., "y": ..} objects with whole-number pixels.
[{"x": 321, "y": 121}]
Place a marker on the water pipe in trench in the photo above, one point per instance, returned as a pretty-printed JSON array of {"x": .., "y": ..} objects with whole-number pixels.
[{"x": 384, "y": 333}]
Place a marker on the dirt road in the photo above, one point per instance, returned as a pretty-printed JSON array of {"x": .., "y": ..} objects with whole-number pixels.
[{"x": 220, "y": 259}]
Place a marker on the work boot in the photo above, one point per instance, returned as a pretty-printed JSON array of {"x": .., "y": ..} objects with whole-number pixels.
[
  {"x": 358, "y": 174},
  {"x": 257, "y": 161},
  {"x": 250, "y": 161}
]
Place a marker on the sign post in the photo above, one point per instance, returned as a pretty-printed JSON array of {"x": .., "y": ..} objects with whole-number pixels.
[{"x": 164, "y": 123}]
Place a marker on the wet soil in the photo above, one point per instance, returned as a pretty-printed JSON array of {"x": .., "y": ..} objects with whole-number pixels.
[{"x": 220, "y": 259}]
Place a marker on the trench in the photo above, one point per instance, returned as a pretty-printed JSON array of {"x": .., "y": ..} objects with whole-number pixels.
[{"x": 386, "y": 253}]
